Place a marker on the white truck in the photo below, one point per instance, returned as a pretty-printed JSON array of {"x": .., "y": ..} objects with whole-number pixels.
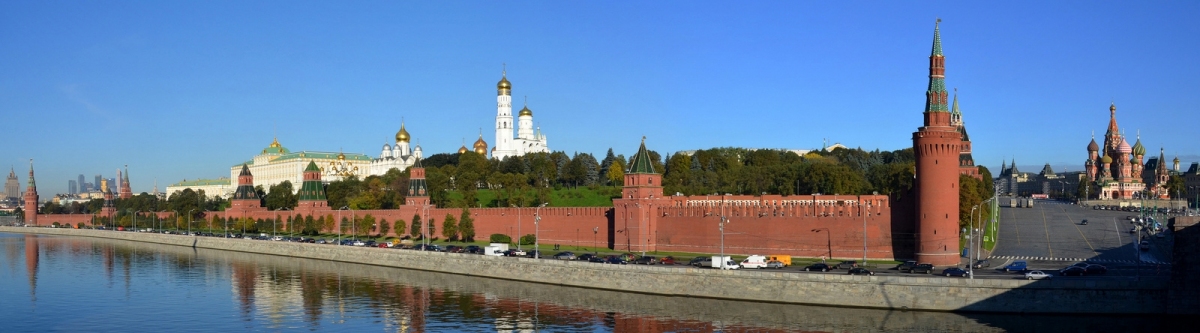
[
  {"x": 729, "y": 263},
  {"x": 495, "y": 249},
  {"x": 754, "y": 261}
]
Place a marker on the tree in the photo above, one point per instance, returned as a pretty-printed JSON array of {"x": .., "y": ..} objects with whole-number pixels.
[
  {"x": 415, "y": 231},
  {"x": 528, "y": 239},
  {"x": 466, "y": 226},
  {"x": 616, "y": 173},
  {"x": 500, "y": 238},
  {"x": 450, "y": 228},
  {"x": 366, "y": 225},
  {"x": 282, "y": 196},
  {"x": 400, "y": 227},
  {"x": 384, "y": 227}
]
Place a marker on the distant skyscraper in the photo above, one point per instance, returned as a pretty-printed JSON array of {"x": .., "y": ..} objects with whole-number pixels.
[
  {"x": 12, "y": 188},
  {"x": 82, "y": 184},
  {"x": 96, "y": 185},
  {"x": 112, "y": 185},
  {"x": 72, "y": 187}
]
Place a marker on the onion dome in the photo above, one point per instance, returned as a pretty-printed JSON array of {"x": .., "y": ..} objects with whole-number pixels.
[
  {"x": 1106, "y": 160},
  {"x": 1124, "y": 147},
  {"x": 387, "y": 147},
  {"x": 526, "y": 111},
  {"x": 463, "y": 150},
  {"x": 1138, "y": 149},
  {"x": 481, "y": 146},
  {"x": 402, "y": 135},
  {"x": 275, "y": 143},
  {"x": 1093, "y": 146},
  {"x": 503, "y": 87},
  {"x": 1176, "y": 159},
  {"x": 341, "y": 156}
]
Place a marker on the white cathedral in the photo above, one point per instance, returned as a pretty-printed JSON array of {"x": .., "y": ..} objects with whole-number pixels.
[
  {"x": 400, "y": 156},
  {"x": 527, "y": 141}
]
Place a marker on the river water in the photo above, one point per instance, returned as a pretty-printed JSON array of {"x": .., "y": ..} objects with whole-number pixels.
[{"x": 79, "y": 284}]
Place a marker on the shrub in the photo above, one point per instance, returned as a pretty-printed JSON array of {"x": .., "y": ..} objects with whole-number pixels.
[
  {"x": 528, "y": 239},
  {"x": 500, "y": 238}
]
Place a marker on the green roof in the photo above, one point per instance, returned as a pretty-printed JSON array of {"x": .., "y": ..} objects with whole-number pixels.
[
  {"x": 312, "y": 166},
  {"x": 203, "y": 182},
  {"x": 313, "y": 155},
  {"x": 937, "y": 39},
  {"x": 641, "y": 161}
]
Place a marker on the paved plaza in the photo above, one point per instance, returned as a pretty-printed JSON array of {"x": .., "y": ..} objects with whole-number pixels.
[{"x": 1051, "y": 231}]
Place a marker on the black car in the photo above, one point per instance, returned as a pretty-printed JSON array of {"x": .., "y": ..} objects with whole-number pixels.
[
  {"x": 848, "y": 264},
  {"x": 696, "y": 261},
  {"x": 474, "y": 249},
  {"x": 818, "y": 267},
  {"x": 454, "y": 248},
  {"x": 645, "y": 260},
  {"x": 598, "y": 259},
  {"x": 983, "y": 263},
  {"x": 585, "y": 257},
  {"x": 1095, "y": 270},
  {"x": 922, "y": 269},
  {"x": 955, "y": 271},
  {"x": 1084, "y": 222},
  {"x": 1073, "y": 271},
  {"x": 615, "y": 260},
  {"x": 906, "y": 266},
  {"x": 860, "y": 271}
]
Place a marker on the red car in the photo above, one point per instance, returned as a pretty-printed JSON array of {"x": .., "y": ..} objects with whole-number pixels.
[{"x": 667, "y": 261}]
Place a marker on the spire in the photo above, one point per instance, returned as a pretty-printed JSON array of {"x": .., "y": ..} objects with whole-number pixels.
[
  {"x": 937, "y": 39},
  {"x": 641, "y": 161},
  {"x": 32, "y": 184},
  {"x": 954, "y": 108}
]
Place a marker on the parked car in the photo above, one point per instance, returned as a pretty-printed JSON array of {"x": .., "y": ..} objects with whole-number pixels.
[
  {"x": 1036, "y": 275},
  {"x": 906, "y": 266},
  {"x": 565, "y": 255},
  {"x": 848, "y": 264},
  {"x": 698, "y": 261},
  {"x": 616, "y": 260},
  {"x": 1019, "y": 266},
  {"x": 1084, "y": 222},
  {"x": 776, "y": 264},
  {"x": 534, "y": 254},
  {"x": 585, "y": 257},
  {"x": 818, "y": 267},
  {"x": 1073, "y": 271},
  {"x": 598, "y": 259},
  {"x": 668, "y": 260},
  {"x": 453, "y": 248},
  {"x": 859, "y": 271},
  {"x": 474, "y": 249},
  {"x": 983, "y": 263},
  {"x": 1095, "y": 269},
  {"x": 955, "y": 271},
  {"x": 646, "y": 260},
  {"x": 922, "y": 269}
]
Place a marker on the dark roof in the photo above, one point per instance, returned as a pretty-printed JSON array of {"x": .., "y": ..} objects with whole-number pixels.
[{"x": 641, "y": 161}]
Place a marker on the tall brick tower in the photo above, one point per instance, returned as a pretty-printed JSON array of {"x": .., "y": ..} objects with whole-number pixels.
[
  {"x": 31, "y": 198},
  {"x": 125, "y": 191},
  {"x": 937, "y": 146},
  {"x": 417, "y": 191},
  {"x": 634, "y": 219},
  {"x": 312, "y": 192},
  {"x": 245, "y": 199}
]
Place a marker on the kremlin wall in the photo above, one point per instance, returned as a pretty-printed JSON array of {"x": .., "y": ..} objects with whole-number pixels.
[{"x": 922, "y": 226}]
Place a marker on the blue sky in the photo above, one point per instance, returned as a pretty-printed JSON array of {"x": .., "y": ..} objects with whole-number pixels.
[{"x": 184, "y": 89}]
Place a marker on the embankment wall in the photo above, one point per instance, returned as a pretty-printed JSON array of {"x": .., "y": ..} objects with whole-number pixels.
[{"x": 893, "y": 292}]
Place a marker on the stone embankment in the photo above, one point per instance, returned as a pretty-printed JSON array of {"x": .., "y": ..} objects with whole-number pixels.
[{"x": 1116, "y": 296}]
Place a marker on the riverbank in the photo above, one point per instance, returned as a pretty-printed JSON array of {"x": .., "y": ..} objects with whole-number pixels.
[{"x": 886, "y": 292}]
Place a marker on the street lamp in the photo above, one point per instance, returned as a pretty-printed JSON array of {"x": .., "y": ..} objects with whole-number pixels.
[
  {"x": 537, "y": 217},
  {"x": 135, "y": 214},
  {"x": 190, "y": 221},
  {"x": 721, "y": 228},
  {"x": 866, "y": 210},
  {"x": 595, "y": 239},
  {"x": 340, "y": 224},
  {"x": 518, "y": 227},
  {"x": 828, "y": 240}
]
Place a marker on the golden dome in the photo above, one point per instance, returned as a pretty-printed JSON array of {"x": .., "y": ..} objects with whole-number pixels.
[
  {"x": 463, "y": 150},
  {"x": 341, "y": 156},
  {"x": 275, "y": 143},
  {"x": 481, "y": 146},
  {"x": 526, "y": 112},
  {"x": 402, "y": 135}
]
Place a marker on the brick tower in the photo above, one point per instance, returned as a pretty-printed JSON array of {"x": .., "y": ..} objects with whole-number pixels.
[
  {"x": 312, "y": 192},
  {"x": 123, "y": 185},
  {"x": 31, "y": 198},
  {"x": 635, "y": 222},
  {"x": 245, "y": 199},
  {"x": 417, "y": 191},
  {"x": 937, "y": 146}
]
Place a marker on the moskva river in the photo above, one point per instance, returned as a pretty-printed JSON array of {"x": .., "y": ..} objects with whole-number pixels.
[{"x": 69, "y": 284}]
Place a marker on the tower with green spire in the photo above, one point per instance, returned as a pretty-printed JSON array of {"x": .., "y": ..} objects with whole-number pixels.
[
  {"x": 938, "y": 146},
  {"x": 312, "y": 192},
  {"x": 31, "y": 198},
  {"x": 418, "y": 194},
  {"x": 636, "y": 210},
  {"x": 245, "y": 199}
]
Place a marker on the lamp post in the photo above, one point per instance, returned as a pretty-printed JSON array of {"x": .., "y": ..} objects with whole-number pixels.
[
  {"x": 135, "y": 214},
  {"x": 340, "y": 224},
  {"x": 537, "y": 217},
  {"x": 721, "y": 228},
  {"x": 595, "y": 240},
  {"x": 828, "y": 240},
  {"x": 190, "y": 221},
  {"x": 518, "y": 227},
  {"x": 866, "y": 211},
  {"x": 276, "y": 220}
]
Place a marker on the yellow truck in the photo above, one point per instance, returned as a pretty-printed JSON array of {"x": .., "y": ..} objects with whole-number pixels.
[{"x": 783, "y": 258}]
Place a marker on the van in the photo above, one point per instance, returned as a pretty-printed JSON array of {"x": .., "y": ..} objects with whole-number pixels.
[
  {"x": 754, "y": 261},
  {"x": 783, "y": 258},
  {"x": 716, "y": 261}
]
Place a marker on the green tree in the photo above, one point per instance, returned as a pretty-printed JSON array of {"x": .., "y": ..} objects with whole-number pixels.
[
  {"x": 616, "y": 173},
  {"x": 450, "y": 228},
  {"x": 528, "y": 239},
  {"x": 416, "y": 231},
  {"x": 400, "y": 227},
  {"x": 466, "y": 226},
  {"x": 384, "y": 227},
  {"x": 282, "y": 195},
  {"x": 366, "y": 225}
]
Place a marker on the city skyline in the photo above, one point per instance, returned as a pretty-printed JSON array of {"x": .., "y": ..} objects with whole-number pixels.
[{"x": 184, "y": 96}]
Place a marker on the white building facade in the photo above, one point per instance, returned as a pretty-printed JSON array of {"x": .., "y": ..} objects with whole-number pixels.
[
  {"x": 528, "y": 139},
  {"x": 399, "y": 156},
  {"x": 276, "y": 164}
]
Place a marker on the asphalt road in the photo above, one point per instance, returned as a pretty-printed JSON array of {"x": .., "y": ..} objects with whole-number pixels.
[{"x": 1052, "y": 232}]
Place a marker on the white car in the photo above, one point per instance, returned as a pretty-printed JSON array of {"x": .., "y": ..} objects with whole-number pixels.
[
  {"x": 359, "y": 243},
  {"x": 1036, "y": 275}
]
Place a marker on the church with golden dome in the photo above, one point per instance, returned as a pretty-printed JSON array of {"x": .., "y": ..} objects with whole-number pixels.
[
  {"x": 527, "y": 140},
  {"x": 399, "y": 156}
]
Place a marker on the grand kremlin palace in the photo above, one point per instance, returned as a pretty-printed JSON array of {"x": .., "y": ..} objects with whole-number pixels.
[{"x": 276, "y": 164}]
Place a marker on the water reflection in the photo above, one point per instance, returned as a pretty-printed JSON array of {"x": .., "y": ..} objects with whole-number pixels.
[{"x": 203, "y": 289}]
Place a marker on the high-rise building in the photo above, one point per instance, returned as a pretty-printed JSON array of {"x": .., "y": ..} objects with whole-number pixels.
[
  {"x": 527, "y": 141},
  {"x": 72, "y": 187},
  {"x": 82, "y": 183},
  {"x": 12, "y": 188},
  {"x": 96, "y": 184}
]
